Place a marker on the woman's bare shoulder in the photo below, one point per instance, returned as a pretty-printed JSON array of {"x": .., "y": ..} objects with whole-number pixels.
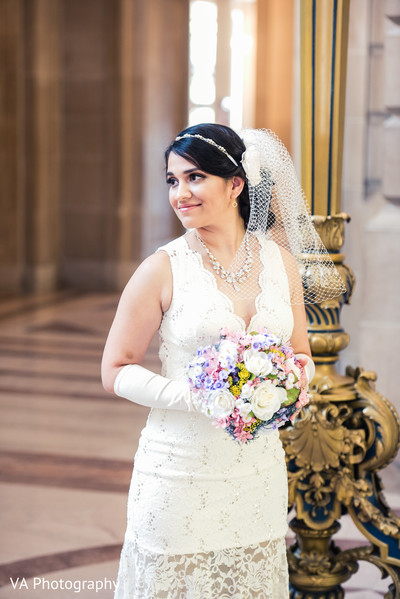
[
  {"x": 152, "y": 278},
  {"x": 155, "y": 263}
]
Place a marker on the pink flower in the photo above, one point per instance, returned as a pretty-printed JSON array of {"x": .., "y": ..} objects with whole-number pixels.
[
  {"x": 243, "y": 436},
  {"x": 221, "y": 422},
  {"x": 211, "y": 369},
  {"x": 303, "y": 398}
]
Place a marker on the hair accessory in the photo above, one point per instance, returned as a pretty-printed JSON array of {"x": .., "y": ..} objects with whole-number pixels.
[
  {"x": 209, "y": 141},
  {"x": 251, "y": 165}
]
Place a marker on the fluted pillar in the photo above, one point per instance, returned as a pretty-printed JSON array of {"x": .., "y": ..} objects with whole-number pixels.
[
  {"x": 323, "y": 48},
  {"x": 43, "y": 145},
  {"x": 380, "y": 306},
  {"x": 165, "y": 108},
  {"x": 30, "y": 145},
  {"x": 274, "y": 70},
  {"x": 11, "y": 144},
  {"x": 92, "y": 92},
  {"x": 152, "y": 107}
]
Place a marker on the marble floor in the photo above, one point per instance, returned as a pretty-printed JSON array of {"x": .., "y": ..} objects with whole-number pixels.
[{"x": 66, "y": 453}]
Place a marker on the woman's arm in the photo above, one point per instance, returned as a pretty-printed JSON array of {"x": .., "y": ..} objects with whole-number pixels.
[
  {"x": 299, "y": 338},
  {"x": 146, "y": 296}
]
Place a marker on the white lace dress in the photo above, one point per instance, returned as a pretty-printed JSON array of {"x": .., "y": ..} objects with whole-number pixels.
[{"x": 207, "y": 516}]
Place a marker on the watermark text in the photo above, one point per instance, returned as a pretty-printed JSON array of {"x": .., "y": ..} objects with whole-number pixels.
[{"x": 64, "y": 584}]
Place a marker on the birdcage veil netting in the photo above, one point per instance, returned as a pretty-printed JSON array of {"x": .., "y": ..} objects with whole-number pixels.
[{"x": 278, "y": 213}]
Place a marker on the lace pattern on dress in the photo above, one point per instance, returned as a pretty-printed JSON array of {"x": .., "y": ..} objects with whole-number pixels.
[
  {"x": 206, "y": 516},
  {"x": 253, "y": 572}
]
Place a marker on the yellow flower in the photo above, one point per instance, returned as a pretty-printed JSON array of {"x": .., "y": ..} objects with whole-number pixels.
[
  {"x": 250, "y": 428},
  {"x": 244, "y": 374},
  {"x": 277, "y": 351},
  {"x": 235, "y": 389}
]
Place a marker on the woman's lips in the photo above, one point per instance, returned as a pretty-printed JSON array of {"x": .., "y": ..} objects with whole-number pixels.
[{"x": 188, "y": 207}]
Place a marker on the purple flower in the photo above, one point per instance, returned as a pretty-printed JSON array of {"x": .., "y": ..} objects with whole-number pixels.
[
  {"x": 208, "y": 383},
  {"x": 218, "y": 385}
]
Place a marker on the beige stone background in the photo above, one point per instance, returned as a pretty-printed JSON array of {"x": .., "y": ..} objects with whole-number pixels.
[
  {"x": 91, "y": 92},
  {"x": 371, "y": 190}
]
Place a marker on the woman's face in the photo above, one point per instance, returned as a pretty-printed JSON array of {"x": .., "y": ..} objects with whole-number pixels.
[{"x": 198, "y": 198}]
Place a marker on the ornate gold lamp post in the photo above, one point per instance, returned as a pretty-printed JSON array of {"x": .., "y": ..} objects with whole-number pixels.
[{"x": 349, "y": 431}]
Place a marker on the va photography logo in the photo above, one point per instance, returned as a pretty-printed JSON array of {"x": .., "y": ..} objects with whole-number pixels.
[{"x": 70, "y": 585}]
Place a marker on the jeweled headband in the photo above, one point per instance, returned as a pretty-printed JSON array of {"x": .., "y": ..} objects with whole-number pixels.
[{"x": 209, "y": 141}]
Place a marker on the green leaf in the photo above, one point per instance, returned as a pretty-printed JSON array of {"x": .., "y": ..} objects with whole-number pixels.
[{"x": 292, "y": 395}]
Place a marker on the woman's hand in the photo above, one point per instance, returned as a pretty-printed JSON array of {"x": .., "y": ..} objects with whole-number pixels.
[
  {"x": 307, "y": 363},
  {"x": 302, "y": 360},
  {"x": 152, "y": 390}
]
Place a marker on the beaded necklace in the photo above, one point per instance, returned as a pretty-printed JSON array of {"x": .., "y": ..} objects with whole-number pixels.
[{"x": 233, "y": 278}]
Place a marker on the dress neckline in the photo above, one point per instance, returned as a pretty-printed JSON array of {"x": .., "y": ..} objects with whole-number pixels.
[{"x": 246, "y": 327}]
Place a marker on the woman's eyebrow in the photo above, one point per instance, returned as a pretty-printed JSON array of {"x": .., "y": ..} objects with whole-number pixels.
[{"x": 189, "y": 170}]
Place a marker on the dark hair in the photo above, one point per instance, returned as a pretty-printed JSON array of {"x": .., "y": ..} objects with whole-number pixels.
[{"x": 211, "y": 160}]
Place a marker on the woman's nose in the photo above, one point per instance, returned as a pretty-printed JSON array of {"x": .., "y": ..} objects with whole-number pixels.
[{"x": 184, "y": 190}]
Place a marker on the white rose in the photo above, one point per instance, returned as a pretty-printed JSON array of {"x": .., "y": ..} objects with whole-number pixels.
[
  {"x": 220, "y": 403},
  {"x": 267, "y": 399},
  {"x": 257, "y": 362},
  {"x": 251, "y": 165},
  {"x": 228, "y": 348}
]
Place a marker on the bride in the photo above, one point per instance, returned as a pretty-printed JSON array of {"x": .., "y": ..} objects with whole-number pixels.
[{"x": 206, "y": 514}]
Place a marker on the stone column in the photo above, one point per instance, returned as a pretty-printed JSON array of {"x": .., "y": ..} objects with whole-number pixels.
[
  {"x": 274, "y": 72},
  {"x": 42, "y": 20},
  {"x": 30, "y": 146},
  {"x": 370, "y": 185},
  {"x": 165, "y": 63},
  {"x": 381, "y": 248},
  {"x": 11, "y": 145},
  {"x": 150, "y": 104},
  {"x": 223, "y": 66},
  {"x": 324, "y": 28},
  {"x": 91, "y": 133},
  {"x": 125, "y": 209}
]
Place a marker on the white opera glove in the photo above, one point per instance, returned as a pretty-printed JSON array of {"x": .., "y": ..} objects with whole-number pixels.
[
  {"x": 309, "y": 367},
  {"x": 152, "y": 390}
]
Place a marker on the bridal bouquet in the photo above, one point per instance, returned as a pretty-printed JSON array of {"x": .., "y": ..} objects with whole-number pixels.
[{"x": 248, "y": 382}]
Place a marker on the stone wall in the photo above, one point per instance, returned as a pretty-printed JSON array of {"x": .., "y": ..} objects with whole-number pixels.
[
  {"x": 371, "y": 190},
  {"x": 93, "y": 92}
]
